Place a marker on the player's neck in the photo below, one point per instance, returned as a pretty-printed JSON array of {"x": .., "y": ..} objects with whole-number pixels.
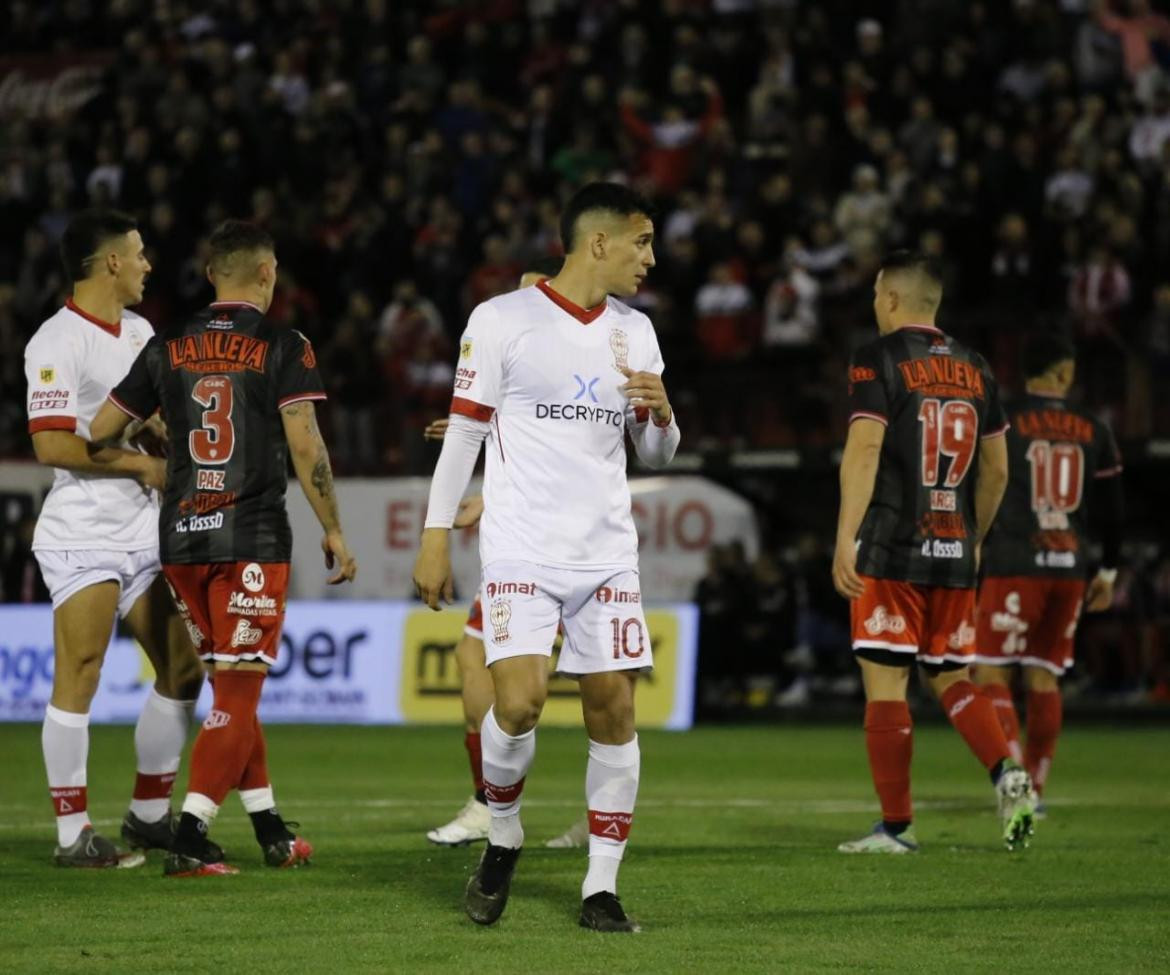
[
  {"x": 577, "y": 285},
  {"x": 1042, "y": 387},
  {"x": 97, "y": 299},
  {"x": 919, "y": 321},
  {"x": 240, "y": 296}
]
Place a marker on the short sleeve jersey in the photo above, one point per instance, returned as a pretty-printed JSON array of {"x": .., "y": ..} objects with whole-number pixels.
[
  {"x": 71, "y": 364},
  {"x": 1056, "y": 453},
  {"x": 545, "y": 374},
  {"x": 221, "y": 381},
  {"x": 938, "y": 400}
]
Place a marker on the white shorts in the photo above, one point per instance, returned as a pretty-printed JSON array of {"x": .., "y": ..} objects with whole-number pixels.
[
  {"x": 600, "y": 610},
  {"x": 67, "y": 573}
]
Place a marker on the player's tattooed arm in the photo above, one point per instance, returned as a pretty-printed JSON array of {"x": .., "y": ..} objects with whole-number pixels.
[{"x": 310, "y": 459}]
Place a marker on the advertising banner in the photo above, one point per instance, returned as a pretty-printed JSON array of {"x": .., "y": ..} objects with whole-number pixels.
[
  {"x": 352, "y": 662},
  {"x": 678, "y": 520}
]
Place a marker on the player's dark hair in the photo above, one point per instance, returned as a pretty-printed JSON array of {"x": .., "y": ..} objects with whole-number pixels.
[
  {"x": 549, "y": 265},
  {"x": 84, "y": 236},
  {"x": 908, "y": 260},
  {"x": 238, "y": 237},
  {"x": 610, "y": 197},
  {"x": 1045, "y": 349}
]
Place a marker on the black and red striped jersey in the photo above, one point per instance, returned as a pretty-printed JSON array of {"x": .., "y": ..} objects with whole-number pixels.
[
  {"x": 220, "y": 381},
  {"x": 938, "y": 400},
  {"x": 1056, "y": 453}
]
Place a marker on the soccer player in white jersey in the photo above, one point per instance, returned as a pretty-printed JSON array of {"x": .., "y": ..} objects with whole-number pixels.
[
  {"x": 476, "y": 693},
  {"x": 96, "y": 541},
  {"x": 553, "y": 377}
]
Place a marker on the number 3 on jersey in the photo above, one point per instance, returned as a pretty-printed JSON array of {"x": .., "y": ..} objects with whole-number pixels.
[
  {"x": 214, "y": 441},
  {"x": 949, "y": 428}
]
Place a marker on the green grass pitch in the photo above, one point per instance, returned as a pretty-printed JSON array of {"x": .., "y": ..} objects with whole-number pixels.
[{"x": 731, "y": 865}]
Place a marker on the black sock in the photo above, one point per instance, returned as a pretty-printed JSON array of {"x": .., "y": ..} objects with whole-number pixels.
[
  {"x": 190, "y": 837},
  {"x": 997, "y": 770},
  {"x": 269, "y": 827},
  {"x": 893, "y": 828},
  {"x": 481, "y": 796}
]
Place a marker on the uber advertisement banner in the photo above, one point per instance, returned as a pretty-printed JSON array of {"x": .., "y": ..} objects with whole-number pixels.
[{"x": 340, "y": 662}]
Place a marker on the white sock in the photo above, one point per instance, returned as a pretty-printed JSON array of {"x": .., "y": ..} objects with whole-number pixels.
[
  {"x": 506, "y": 761},
  {"x": 159, "y": 738},
  {"x": 65, "y": 743},
  {"x": 257, "y": 800},
  {"x": 611, "y": 789},
  {"x": 201, "y": 807}
]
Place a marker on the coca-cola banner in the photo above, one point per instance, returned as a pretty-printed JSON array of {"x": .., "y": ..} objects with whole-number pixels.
[
  {"x": 48, "y": 87},
  {"x": 678, "y": 520}
]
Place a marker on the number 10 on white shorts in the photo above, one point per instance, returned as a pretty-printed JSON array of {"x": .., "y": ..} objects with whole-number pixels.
[{"x": 599, "y": 609}]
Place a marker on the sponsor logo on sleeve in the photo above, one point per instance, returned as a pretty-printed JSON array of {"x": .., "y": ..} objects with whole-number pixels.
[
  {"x": 464, "y": 377},
  {"x": 465, "y": 349},
  {"x": 48, "y": 399},
  {"x": 47, "y": 374}
]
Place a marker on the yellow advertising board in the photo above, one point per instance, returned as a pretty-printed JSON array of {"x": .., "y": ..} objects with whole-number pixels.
[{"x": 430, "y": 682}]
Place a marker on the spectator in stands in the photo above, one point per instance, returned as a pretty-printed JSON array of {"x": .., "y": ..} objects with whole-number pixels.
[{"x": 723, "y": 308}]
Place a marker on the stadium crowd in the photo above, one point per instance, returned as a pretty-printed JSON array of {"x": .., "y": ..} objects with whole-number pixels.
[{"x": 411, "y": 158}]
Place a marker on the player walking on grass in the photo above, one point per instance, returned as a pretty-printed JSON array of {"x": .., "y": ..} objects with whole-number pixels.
[
  {"x": 238, "y": 395},
  {"x": 476, "y": 692},
  {"x": 96, "y": 542},
  {"x": 553, "y": 377},
  {"x": 924, "y": 470},
  {"x": 1063, "y": 464}
]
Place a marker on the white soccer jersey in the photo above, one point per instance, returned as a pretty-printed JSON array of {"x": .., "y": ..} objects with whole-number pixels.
[
  {"x": 546, "y": 375},
  {"x": 72, "y": 363}
]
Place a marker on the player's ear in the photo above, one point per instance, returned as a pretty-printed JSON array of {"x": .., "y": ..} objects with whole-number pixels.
[
  {"x": 210, "y": 275},
  {"x": 597, "y": 244}
]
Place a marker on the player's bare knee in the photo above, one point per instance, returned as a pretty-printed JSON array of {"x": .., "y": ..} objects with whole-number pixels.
[
  {"x": 1039, "y": 679},
  {"x": 518, "y": 714},
  {"x": 984, "y": 674}
]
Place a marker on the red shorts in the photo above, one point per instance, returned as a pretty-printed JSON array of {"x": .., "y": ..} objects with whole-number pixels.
[
  {"x": 233, "y": 610},
  {"x": 474, "y": 625},
  {"x": 900, "y": 622},
  {"x": 1028, "y": 620}
]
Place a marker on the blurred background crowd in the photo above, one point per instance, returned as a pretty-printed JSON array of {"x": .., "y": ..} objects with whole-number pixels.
[{"x": 411, "y": 158}]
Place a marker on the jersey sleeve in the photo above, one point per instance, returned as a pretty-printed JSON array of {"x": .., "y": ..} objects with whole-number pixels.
[
  {"x": 479, "y": 374},
  {"x": 653, "y": 363},
  {"x": 299, "y": 378},
  {"x": 54, "y": 377},
  {"x": 136, "y": 394},
  {"x": 995, "y": 421},
  {"x": 1108, "y": 453},
  {"x": 868, "y": 399}
]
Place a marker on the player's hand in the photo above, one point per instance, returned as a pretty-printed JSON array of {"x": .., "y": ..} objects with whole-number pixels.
[
  {"x": 151, "y": 437},
  {"x": 338, "y": 553},
  {"x": 153, "y": 474},
  {"x": 432, "y": 568},
  {"x": 646, "y": 389},
  {"x": 1099, "y": 595},
  {"x": 845, "y": 578},
  {"x": 470, "y": 511},
  {"x": 436, "y": 430}
]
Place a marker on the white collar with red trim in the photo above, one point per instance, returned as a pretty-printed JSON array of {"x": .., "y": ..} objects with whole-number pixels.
[{"x": 586, "y": 316}]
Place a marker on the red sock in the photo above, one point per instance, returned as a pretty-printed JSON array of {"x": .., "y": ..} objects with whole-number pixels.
[
  {"x": 1044, "y": 719},
  {"x": 255, "y": 774},
  {"x": 475, "y": 756},
  {"x": 224, "y": 744},
  {"x": 1005, "y": 711},
  {"x": 889, "y": 742},
  {"x": 974, "y": 718}
]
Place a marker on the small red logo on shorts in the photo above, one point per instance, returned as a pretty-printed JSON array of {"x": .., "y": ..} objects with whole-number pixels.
[
  {"x": 509, "y": 588},
  {"x": 607, "y": 595}
]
